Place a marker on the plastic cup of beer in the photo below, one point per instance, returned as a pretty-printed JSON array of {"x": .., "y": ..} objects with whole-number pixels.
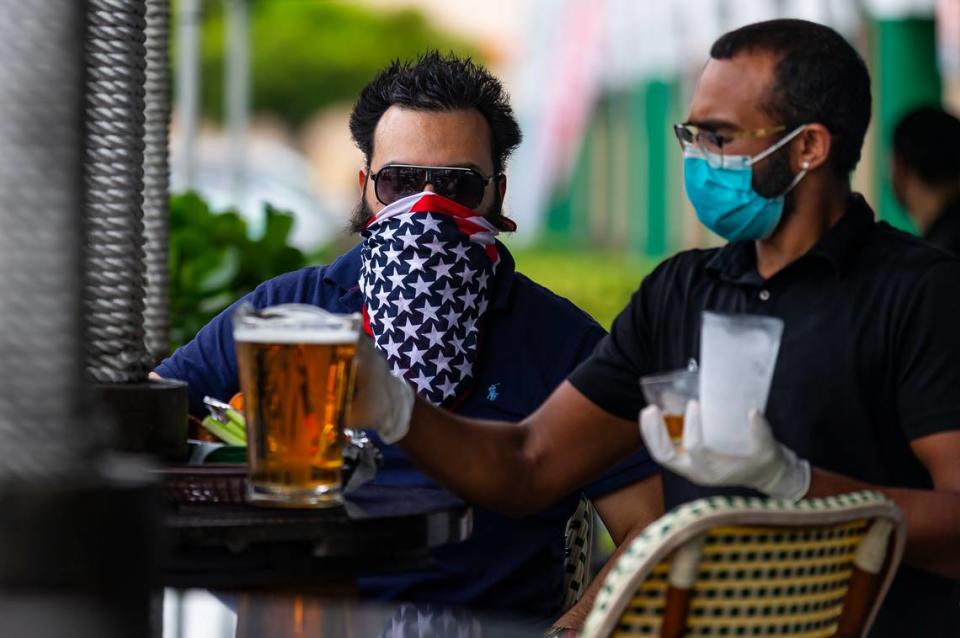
[
  {"x": 671, "y": 391},
  {"x": 296, "y": 365}
]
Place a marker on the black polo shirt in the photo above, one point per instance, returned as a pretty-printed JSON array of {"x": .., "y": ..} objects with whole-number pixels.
[{"x": 870, "y": 360}]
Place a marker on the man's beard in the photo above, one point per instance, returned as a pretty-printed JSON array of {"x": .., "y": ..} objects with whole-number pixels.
[
  {"x": 361, "y": 214},
  {"x": 774, "y": 178}
]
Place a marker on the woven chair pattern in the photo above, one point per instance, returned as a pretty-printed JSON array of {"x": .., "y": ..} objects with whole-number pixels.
[
  {"x": 752, "y": 579},
  {"x": 578, "y": 548}
]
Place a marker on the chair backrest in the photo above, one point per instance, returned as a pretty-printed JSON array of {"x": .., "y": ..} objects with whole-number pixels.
[
  {"x": 732, "y": 566},
  {"x": 578, "y": 549}
]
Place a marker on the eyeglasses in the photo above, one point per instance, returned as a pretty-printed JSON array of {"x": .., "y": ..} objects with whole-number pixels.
[
  {"x": 712, "y": 142},
  {"x": 463, "y": 185}
]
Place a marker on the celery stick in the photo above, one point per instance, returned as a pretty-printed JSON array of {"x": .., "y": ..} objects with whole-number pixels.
[
  {"x": 237, "y": 424},
  {"x": 221, "y": 432}
]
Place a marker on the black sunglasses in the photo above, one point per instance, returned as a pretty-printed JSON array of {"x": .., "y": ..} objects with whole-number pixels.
[{"x": 463, "y": 185}]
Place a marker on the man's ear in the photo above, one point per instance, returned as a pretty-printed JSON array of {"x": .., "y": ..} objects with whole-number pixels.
[
  {"x": 814, "y": 147},
  {"x": 502, "y": 186},
  {"x": 362, "y": 176}
]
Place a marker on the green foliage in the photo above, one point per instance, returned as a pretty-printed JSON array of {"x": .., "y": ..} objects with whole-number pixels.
[
  {"x": 213, "y": 261},
  {"x": 306, "y": 54},
  {"x": 598, "y": 282}
]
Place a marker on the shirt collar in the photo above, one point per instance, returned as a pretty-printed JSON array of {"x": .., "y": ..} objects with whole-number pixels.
[
  {"x": 504, "y": 278},
  {"x": 737, "y": 261},
  {"x": 344, "y": 273}
]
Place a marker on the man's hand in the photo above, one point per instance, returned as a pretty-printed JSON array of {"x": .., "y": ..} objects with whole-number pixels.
[
  {"x": 382, "y": 402},
  {"x": 767, "y": 465}
]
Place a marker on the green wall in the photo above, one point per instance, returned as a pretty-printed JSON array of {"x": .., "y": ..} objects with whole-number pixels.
[
  {"x": 904, "y": 69},
  {"x": 625, "y": 189}
]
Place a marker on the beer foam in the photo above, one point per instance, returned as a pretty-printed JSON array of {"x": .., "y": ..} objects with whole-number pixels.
[
  {"x": 293, "y": 334},
  {"x": 294, "y": 323}
]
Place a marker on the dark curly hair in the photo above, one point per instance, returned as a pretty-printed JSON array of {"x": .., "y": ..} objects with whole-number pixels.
[
  {"x": 436, "y": 82},
  {"x": 819, "y": 77}
]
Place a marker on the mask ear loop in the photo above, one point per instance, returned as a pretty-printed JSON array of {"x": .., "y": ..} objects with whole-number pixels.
[
  {"x": 773, "y": 149},
  {"x": 796, "y": 180}
]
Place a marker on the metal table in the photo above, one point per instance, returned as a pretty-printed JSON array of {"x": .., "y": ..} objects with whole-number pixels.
[{"x": 231, "y": 545}]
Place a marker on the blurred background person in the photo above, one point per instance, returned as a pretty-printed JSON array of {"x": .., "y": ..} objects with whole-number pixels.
[{"x": 926, "y": 174}]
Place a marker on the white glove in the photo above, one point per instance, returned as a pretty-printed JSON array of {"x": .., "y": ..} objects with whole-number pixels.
[
  {"x": 382, "y": 402},
  {"x": 772, "y": 468}
]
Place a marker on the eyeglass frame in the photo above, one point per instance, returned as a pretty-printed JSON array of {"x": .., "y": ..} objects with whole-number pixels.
[
  {"x": 720, "y": 139},
  {"x": 486, "y": 180}
]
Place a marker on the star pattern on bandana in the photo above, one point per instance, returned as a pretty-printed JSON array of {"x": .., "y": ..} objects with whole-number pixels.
[
  {"x": 426, "y": 288},
  {"x": 419, "y": 620}
]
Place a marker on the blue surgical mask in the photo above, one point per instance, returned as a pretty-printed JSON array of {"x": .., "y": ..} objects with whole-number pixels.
[{"x": 721, "y": 191}]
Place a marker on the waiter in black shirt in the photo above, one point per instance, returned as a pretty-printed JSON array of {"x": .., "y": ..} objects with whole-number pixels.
[
  {"x": 926, "y": 174},
  {"x": 866, "y": 392}
]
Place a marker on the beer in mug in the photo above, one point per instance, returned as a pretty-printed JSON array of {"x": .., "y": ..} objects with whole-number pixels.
[{"x": 296, "y": 365}]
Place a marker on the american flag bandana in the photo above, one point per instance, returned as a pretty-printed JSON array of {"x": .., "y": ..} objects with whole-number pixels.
[{"x": 426, "y": 274}]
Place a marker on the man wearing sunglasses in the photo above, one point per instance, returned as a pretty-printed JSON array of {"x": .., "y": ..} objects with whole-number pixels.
[
  {"x": 866, "y": 392},
  {"x": 442, "y": 302}
]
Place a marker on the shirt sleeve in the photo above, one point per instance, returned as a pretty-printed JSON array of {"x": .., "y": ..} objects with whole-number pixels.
[
  {"x": 207, "y": 363},
  {"x": 928, "y": 355},
  {"x": 611, "y": 377}
]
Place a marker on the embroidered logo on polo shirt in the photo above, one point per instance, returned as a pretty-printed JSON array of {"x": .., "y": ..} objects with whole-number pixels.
[{"x": 493, "y": 392}]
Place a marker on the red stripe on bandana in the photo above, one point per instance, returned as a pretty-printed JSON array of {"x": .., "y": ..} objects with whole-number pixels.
[
  {"x": 430, "y": 203},
  {"x": 366, "y": 321},
  {"x": 440, "y": 204},
  {"x": 463, "y": 217}
]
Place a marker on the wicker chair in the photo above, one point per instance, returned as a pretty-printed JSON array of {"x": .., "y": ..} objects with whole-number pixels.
[
  {"x": 731, "y": 566},
  {"x": 578, "y": 549}
]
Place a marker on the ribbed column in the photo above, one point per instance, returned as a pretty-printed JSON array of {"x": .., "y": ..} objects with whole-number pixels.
[
  {"x": 41, "y": 396},
  {"x": 156, "y": 176},
  {"x": 115, "y": 270},
  {"x": 77, "y": 536}
]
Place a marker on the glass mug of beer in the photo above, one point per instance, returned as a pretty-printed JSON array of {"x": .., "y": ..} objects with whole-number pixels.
[
  {"x": 296, "y": 365},
  {"x": 671, "y": 391}
]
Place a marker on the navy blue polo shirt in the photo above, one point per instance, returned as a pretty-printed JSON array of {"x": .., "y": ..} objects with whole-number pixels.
[{"x": 533, "y": 339}]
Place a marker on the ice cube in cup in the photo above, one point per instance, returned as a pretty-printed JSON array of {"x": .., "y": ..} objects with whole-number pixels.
[{"x": 671, "y": 391}]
